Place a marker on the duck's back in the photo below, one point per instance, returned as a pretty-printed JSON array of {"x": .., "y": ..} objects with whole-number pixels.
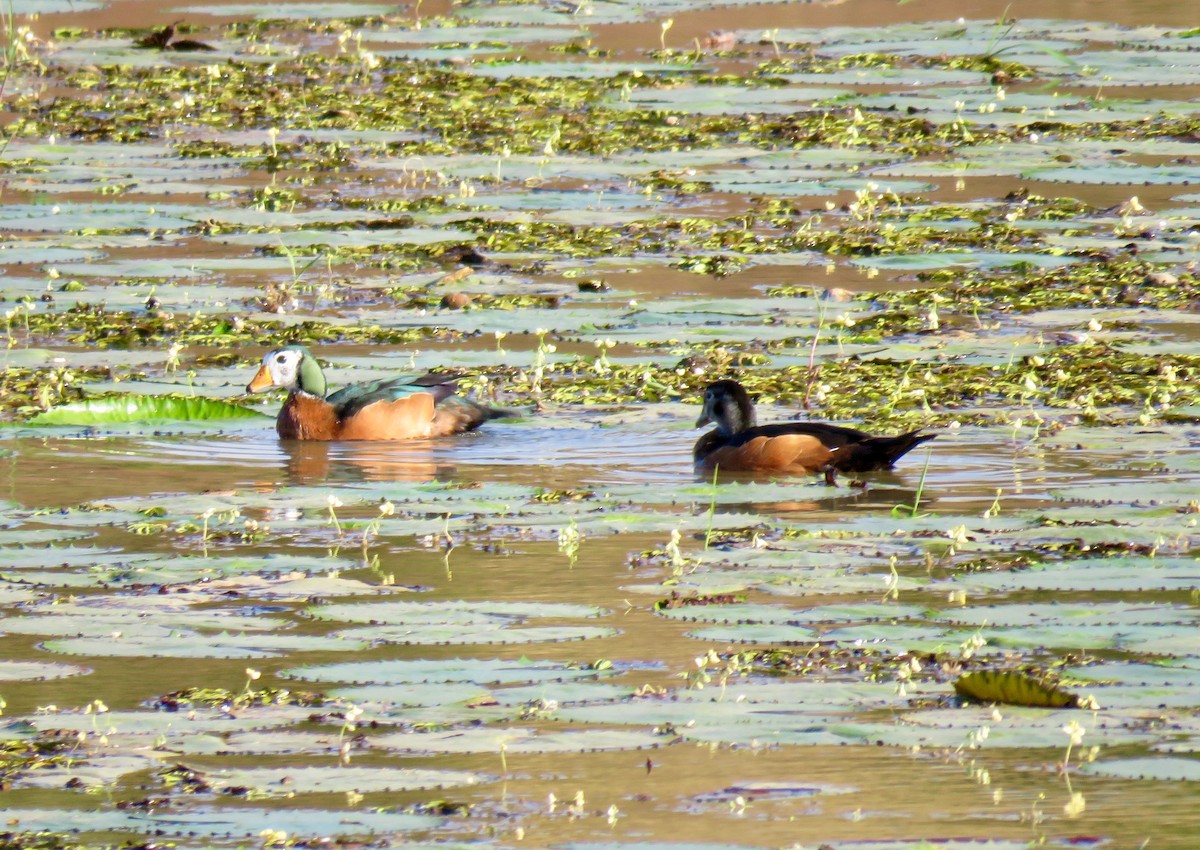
[{"x": 349, "y": 400}]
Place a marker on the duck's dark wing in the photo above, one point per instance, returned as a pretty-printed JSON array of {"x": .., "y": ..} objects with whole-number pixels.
[
  {"x": 876, "y": 452},
  {"x": 350, "y": 400},
  {"x": 832, "y": 436}
]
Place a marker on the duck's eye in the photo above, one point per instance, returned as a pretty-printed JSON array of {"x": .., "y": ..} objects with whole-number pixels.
[{"x": 281, "y": 358}]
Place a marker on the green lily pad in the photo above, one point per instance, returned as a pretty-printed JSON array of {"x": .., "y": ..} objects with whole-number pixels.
[
  {"x": 517, "y": 741},
  {"x": 1011, "y": 688},
  {"x": 1163, "y": 769},
  {"x": 142, "y": 409},
  {"x": 473, "y": 671},
  {"x": 222, "y": 823},
  {"x": 295, "y": 11},
  {"x": 37, "y": 671},
  {"x": 159, "y": 642},
  {"x": 454, "y": 634},
  {"x": 287, "y": 781},
  {"x": 401, "y": 612},
  {"x": 79, "y": 218},
  {"x": 98, "y": 770},
  {"x": 153, "y": 724}
]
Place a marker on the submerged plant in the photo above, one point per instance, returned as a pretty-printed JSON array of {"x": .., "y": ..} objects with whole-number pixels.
[{"x": 912, "y": 510}]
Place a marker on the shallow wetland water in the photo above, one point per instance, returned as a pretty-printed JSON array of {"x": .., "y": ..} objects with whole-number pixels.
[{"x": 551, "y": 633}]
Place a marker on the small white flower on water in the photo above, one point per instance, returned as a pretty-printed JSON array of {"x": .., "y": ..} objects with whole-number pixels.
[
  {"x": 253, "y": 674},
  {"x": 1094, "y": 326},
  {"x": 1075, "y": 732},
  {"x": 386, "y": 508},
  {"x": 334, "y": 501}
]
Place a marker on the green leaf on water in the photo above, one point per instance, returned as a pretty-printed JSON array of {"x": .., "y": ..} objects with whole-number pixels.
[
  {"x": 515, "y": 740},
  {"x": 156, "y": 642},
  {"x": 119, "y": 726},
  {"x": 1165, "y": 769},
  {"x": 145, "y": 409},
  {"x": 475, "y": 671},
  {"x": 1012, "y": 687},
  {"x": 278, "y": 781},
  {"x": 37, "y": 671},
  {"x": 224, "y": 823}
]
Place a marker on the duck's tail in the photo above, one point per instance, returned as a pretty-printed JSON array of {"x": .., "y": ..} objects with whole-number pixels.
[
  {"x": 456, "y": 414},
  {"x": 877, "y": 452}
]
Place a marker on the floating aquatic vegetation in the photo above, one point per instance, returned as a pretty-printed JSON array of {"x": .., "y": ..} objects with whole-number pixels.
[
  {"x": 1012, "y": 688},
  {"x": 149, "y": 410},
  {"x": 834, "y": 216}
]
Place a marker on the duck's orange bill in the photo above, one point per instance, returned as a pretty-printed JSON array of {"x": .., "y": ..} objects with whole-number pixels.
[{"x": 261, "y": 381}]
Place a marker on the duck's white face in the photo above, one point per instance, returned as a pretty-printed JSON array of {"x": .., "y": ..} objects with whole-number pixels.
[{"x": 280, "y": 368}]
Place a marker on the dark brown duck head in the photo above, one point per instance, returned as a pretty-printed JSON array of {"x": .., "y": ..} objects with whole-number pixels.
[{"x": 728, "y": 406}]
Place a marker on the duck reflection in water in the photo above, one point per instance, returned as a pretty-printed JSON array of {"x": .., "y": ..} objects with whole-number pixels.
[{"x": 310, "y": 462}]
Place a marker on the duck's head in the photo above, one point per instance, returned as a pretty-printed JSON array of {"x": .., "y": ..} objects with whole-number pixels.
[
  {"x": 727, "y": 405},
  {"x": 293, "y": 368}
]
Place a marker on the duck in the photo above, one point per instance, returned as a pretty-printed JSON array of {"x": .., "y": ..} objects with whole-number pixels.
[
  {"x": 737, "y": 444},
  {"x": 400, "y": 408}
]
